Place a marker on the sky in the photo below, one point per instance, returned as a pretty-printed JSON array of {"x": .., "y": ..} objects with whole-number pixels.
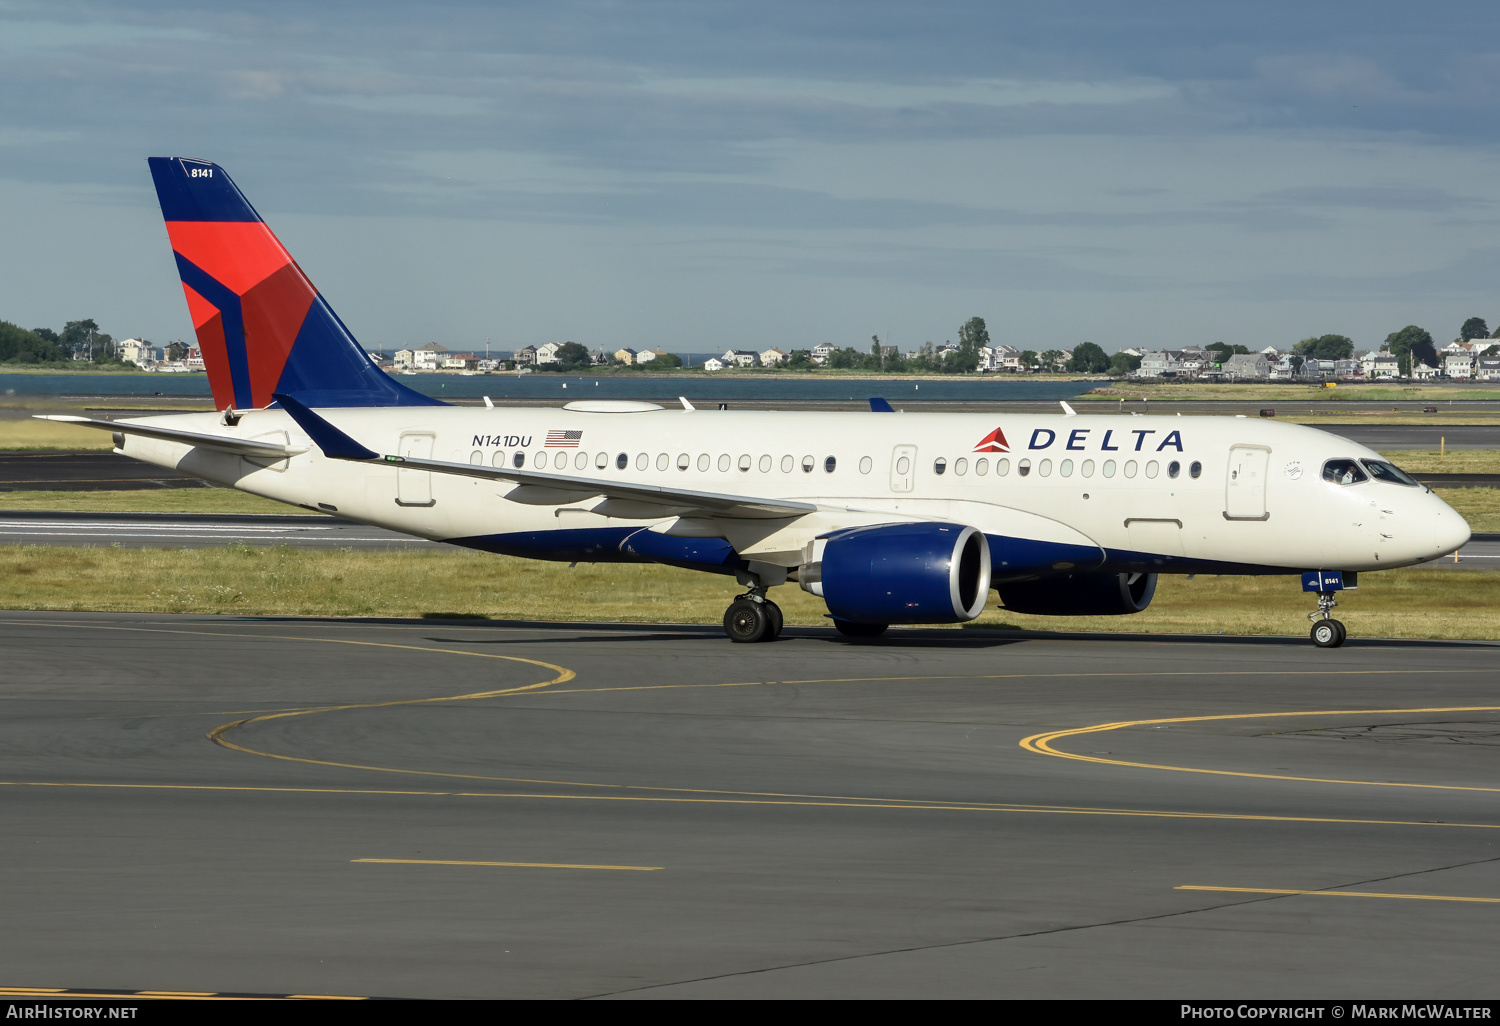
[{"x": 701, "y": 176}]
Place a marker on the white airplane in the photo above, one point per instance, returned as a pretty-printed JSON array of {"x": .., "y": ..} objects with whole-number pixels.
[{"x": 889, "y": 518}]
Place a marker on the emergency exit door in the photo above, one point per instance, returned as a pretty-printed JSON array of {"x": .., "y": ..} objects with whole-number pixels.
[
  {"x": 903, "y": 467},
  {"x": 1245, "y": 489},
  {"x": 414, "y": 487}
]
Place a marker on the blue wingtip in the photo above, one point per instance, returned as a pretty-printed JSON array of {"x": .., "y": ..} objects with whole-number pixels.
[
  {"x": 335, "y": 444},
  {"x": 880, "y": 406}
]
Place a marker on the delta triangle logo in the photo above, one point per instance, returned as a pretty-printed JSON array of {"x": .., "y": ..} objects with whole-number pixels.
[{"x": 993, "y": 442}]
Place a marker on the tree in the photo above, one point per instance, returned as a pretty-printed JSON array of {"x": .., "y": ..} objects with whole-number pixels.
[
  {"x": 801, "y": 359},
  {"x": 1050, "y": 359},
  {"x": 1325, "y": 347},
  {"x": 1122, "y": 364},
  {"x": 570, "y": 356},
  {"x": 972, "y": 334},
  {"x": 17, "y": 345},
  {"x": 1088, "y": 359},
  {"x": 1491, "y": 351},
  {"x": 1029, "y": 359},
  {"x": 1474, "y": 327},
  {"x": 1410, "y": 343},
  {"x": 848, "y": 358}
]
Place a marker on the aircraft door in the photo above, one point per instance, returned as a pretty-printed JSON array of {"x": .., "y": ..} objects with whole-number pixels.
[
  {"x": 903, "y": 467},
  {"x": 1245, "y": 488},
  {"x": 414, "y": 487}
]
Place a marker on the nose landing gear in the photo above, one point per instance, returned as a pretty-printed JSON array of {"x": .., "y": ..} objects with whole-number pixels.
[{"x": 1326, "y": 632}]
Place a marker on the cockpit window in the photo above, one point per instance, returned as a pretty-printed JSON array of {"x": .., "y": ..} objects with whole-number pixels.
[
  {"x": 1382, "y": 471},
  {"x": 1344, "y": 472}
]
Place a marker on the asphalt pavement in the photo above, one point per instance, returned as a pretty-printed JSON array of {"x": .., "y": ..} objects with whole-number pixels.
[{"x": 520, "y": 810}]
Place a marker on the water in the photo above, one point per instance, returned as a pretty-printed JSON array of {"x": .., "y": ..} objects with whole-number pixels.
[{"x": 550, "y": 386}]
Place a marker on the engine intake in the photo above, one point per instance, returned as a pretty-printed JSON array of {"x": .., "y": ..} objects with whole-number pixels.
[
  {"x": 900, "y": 573},
  {"x": 1081, "y": 595}
]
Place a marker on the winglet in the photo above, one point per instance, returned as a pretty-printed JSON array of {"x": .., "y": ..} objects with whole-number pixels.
[
  {"x": 1067, "y": 410},
  {"x": 880, "y": 406},
  {"x": 685, "y": 404},
  {"x": 334, "y": 443}
]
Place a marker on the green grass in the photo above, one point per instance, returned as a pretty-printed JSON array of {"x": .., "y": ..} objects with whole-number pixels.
[
  {"x": 1453, "y": 461},
  {"x": 1254, "y": 392},
  {"x": 239, "y": 579}
]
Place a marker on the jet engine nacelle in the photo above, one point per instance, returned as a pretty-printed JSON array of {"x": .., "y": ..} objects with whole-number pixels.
[
  {"x": 1081, "y": 595},
  {"x": 900, "y": 573}
]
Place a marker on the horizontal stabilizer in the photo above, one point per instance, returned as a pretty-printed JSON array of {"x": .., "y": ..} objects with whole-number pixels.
[
  {"x": 201, "y": 439},
  {"x": 878, "y": 405}
]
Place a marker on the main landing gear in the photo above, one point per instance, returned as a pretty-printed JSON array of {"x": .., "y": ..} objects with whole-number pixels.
[
  {"x": 753, "y": 617},
  {"x": 1326, "y": 632}
]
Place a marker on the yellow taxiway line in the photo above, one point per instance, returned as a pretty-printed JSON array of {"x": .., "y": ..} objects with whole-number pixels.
[{"x": 1337, "y": 894}]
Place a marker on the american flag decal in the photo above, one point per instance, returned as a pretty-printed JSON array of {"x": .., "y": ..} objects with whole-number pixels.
[{"x": 563, "y": 439}]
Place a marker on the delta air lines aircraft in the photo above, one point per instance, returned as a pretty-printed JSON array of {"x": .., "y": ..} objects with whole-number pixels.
[{"x": 888, "y": 518}]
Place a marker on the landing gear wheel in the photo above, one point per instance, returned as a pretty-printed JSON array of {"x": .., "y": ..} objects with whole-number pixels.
[
  {"x": 747, "y": 621},
  {"x": 850, "y": 629},
  {"x": 1328, "y": 634},
  {"x": 773, "y": 613}
]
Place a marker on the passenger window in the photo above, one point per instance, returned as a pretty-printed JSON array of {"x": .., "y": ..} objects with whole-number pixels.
[
  {"x": 1174, "y": 468},
  {"x": 498, "y": 460},
  {"x": 1023, "y": 468},
  {"x": 642, "y": 461},
  {"x": 830, "y": 465},
  {"x": 1002, "y": 467},
  {"x": 865, "y": 463},
  {"x": 1343, "y": 472},
  {"x": 622, "y": 461},
  {"x": 724, "y": 463},
  {"x": 939, "y": 466},
  {"x": 703, "y": 463},
  {"x": 788, "y": 464},
  {"x": 663, "y": 461},
  {"x": 1109, "y": 468},
  {"x": 807, "y": 464},
  {"x": 476, "y": 458},
  {"x": 745, "y": 463},
  {"x": 1065, "y": 468},
  {"x": 581, "y": 461},
  {"x": 960, "y": 467},
  {"x": 1382, "y": 471},
  {"x": 903, "y": 465},
  {"x": 1087, "y": 470},
  {"x": 1044, "y": 468},
  {"x": 683, "y": 461},
  {"x": 1130, "y": 468},
  {"x": 765, "y": 464},
  {"x": 1153, "y": 468},
  {"x": 981, "y": 466},
  {"x": 1195, "y": 469},
  {"x": 519, "y": 460},
  {"x": 539, "y": 460}
]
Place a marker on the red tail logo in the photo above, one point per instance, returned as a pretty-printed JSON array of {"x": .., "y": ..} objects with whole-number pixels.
[{"x": 993, "y": 442}]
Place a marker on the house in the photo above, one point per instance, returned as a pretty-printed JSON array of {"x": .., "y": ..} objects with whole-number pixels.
[
  {"x": 547, "y": 353},
  {"x": 1248, "y": 367},
  {"x": 822, "y": 351},
  {"x": 137, "y": 351},
  {"x": 598, "y": 357},
  {"x": 713, "y": 363},
  {"x": 488, "y": 364},
  {"x": 649, "y": 355},
  {"x": 460, "y": 361},
  {"x": 405, "y": 357},
  {"x": 1487, "y": 368},
  {"x": 625, "y": 356},
  {"x": 772, "y": 358},
  {"x": 1459, "y": 365},
  {"x": 1421, "y": 372},
  {"x": 193, "y": 361},
  {"x": 524, "y": 357},
  {"x": 429, "y": 357},
  {"x": 1162, "y": 363},
  {"x": 1376, "y": 365},
  {"x": 741, "y": 358}
]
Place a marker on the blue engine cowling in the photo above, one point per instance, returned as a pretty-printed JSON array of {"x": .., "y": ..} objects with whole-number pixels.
[
  {"x": 901, "y": 573},
  {"x": 1081, "y": 595}
]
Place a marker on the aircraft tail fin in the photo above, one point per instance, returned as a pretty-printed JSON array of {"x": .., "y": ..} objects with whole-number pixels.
[{"x": 262, "y": 326}]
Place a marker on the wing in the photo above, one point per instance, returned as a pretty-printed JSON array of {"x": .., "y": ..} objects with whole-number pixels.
[
  {"x": 630, "y": 501},
  {"x": 223, "y": 443}
]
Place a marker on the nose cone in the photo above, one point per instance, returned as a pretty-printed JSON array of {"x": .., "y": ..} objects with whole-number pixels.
[{"x": 1450, "y": 531}]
